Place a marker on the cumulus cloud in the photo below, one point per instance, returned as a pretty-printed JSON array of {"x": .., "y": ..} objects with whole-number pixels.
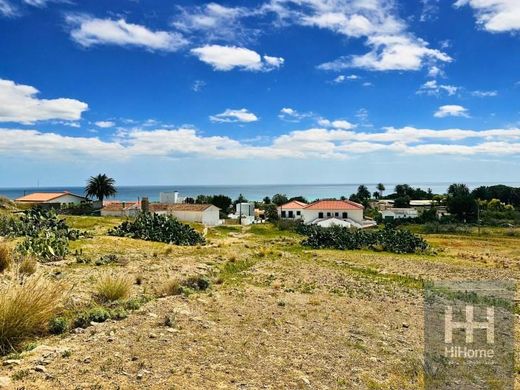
[
  {"x": 105, "y": 124},
  {"x": 342, "y": 78},
  {"x": 226, "y": 58},
  {"x": 89, "y": 31},
  {"x": 336, "y": 124},
  {"x": 243, "y": 115},
  {"x": 495, "y": 15},
  {"x": 451, "y": 110},
  {"x": 310, "y": 143},
  {"x": 433, "y": 88},
  {"x": 19, "y": 103}
]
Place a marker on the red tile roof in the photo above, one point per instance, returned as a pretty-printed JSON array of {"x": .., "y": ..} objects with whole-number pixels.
[
  {"x": 41, "y": 197},
  {"x": 334, "y": 205},
  {"x": 189, "y": 207},
  {"x": 294, "y": 204}
]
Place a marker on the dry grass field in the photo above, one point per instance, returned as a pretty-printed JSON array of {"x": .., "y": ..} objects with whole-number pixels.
[{"x": 275, "y": 315}]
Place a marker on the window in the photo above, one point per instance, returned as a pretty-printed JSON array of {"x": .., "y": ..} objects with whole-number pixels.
[
  {"x": 291, "y": 214},
  {"x": 336, "y": 214},
  {"x": 345, "y": 215},
  {"x": 328, "y": 214},
  {"x": 283, "y": 214},
  {"x": 298, "y": 213},
  {"x": 320, "y": 215}
]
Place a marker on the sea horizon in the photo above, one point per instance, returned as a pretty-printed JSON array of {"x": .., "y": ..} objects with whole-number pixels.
[{"x": 253, "y": 192}]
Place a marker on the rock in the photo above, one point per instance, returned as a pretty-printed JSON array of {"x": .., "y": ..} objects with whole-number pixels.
[
  {"x": 140, "y": 375},
  {"x": 405, "y": 325},
  {"x": 40, "y": 368},
  {"x": 87, "y": 360},
  {"x": 153, "y": 315},
  {"x": 152, "y": 335},
  {"x": 5, "y": 382},
  {"x": 12, "y": 362}
]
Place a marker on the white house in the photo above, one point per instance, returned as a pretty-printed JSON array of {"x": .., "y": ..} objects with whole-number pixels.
[
  {"x": 245, "y": 209},
  {"x": 54, "y": 198},
  {"x": 398, "y": 213},
  {"x": 171, "y": 197},
  {"x": 326, "y": 213},
  {"x": 206, "y": 214},
  {"x": 293, "y": 209}
]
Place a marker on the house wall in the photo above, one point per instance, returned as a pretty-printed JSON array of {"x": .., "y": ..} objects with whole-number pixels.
[
  {"x": 311, "y": 215},
  {"x": 67, "y": 199},
  {"x": 294, "y": 211},
  {"x": 209, "y": 217},
  {"x": 411, "y": 213}
]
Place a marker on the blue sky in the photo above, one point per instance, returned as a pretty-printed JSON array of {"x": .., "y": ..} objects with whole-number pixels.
[{"x": 273, "y": 91}]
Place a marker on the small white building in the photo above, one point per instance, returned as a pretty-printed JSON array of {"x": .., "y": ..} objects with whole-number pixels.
[
  {"x": 120, "y": 209},
  {"x": 171, "y": 197},
  {"x": 54, "y": 198},
  {"x": 206, "y": 214},
  {"x": 245, "y": 209},
  {"x": 399, "y": 213}
]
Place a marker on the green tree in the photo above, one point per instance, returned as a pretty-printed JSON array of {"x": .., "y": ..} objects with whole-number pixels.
[
  {"x": 223, "y": 202},
  {"x": 267, "y": 200},
  {"x": 100, "y": 186},
  {"x": 279, "y": 199},
  {"x": 299, "y": 199},
  {"x": 402, "y": 202},
  {"x": 241, "y": 199},
  {"x": 381, "y": 188},
  {"x": 271, "y": 212},
  {"x": 461, "y": 202}
]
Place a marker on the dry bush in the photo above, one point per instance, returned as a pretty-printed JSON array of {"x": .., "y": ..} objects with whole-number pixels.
[
  {"x": 6, "y": 258},
  {"x": 27, "y": 266},
  {"x": 26, "y": 309},
  {"x": 113, "y": 287},
  {"x": 171, "y": 287}
]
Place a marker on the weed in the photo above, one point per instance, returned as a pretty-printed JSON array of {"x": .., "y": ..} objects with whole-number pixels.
[{"x": 112, "y": 287}]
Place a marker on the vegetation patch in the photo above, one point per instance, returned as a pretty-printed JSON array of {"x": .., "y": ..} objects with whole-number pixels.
[
  {"x": 26, "y": 310},
  {"x": 112, "y": 288},
  {"x": 388, "y": 239},
  {"x": 160, "y": 228}
]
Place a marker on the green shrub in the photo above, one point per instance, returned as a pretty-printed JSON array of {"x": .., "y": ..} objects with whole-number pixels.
[
  {"x": 47, "y": 246},
  {"x": 388, "y": 239},
  {"x": 94, "y": 314},
  {"x": 59, "y": 325},
  {"x": 160, "y": 228}
]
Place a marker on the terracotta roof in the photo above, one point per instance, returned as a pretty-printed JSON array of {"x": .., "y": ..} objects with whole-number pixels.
[
  {"x": 294, "y": 204},
  {"x": 120, "y": 206},
  {"x": 334, "y": 205},
  {"x": 44, "y": 196},
  {"x": 188, "y": 207}
]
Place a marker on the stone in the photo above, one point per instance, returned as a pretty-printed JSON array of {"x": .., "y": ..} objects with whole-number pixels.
[
  {"x": 5, "y": 382},
  {"x": 11, "y": 362},
  {"x": 40, "y": 368}
]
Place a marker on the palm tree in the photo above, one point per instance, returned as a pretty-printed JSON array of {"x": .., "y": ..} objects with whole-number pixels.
[
  {"x": 381, "y": 188},
  {"x": 100, "y": 186}
]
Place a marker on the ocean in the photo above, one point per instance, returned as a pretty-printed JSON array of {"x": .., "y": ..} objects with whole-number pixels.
[{"x": 251, "y": 192}]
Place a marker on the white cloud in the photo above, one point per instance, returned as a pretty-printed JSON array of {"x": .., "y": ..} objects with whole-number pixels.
[
  {"x": 337, "y": 124},
  {"x": 391, "y": 46},
  {"x": 215, "y": 22},
  {"x": 19, "y": 103},
  {"x": 105, "y": 124},
  {"x": 390, "y": 52},
  {"x": 318, "y": 143},
  {"x": 43, "y": 3},
  {"x": 291, "y": 115},
  {"x": 451, "y": 110},
  {"x": 342, "y": 78},
  {"x": 226, "y": 58},
  {"x": 435, "y": 71},
  {"x": 495, "y": 15},
  {"x": 89, "y": 31},
  {"x": 243, "y": 115},
  {"x": 433, "y": 88},
  {"x": 7, "y": 9},
  {"x": 198, "y": 85},
  {"x": 484, "y": 93}
]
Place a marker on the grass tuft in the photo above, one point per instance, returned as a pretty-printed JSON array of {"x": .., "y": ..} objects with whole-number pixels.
[
  {"x": 27, "y": 266},
  {"x": 113, "y": 287},
  {"x": 6, "y": 258},
  {"x": 26, "y": 310}
]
